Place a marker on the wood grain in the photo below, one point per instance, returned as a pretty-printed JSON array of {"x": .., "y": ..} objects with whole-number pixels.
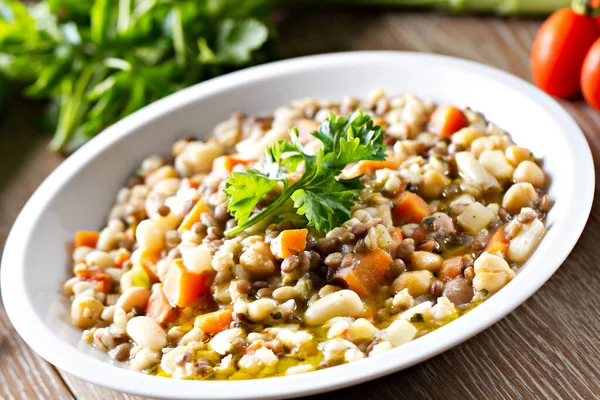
[{"x": 548, "y": 348}]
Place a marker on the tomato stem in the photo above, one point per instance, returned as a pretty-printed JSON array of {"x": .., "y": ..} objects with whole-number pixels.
[{"x": 590, "y": 8}]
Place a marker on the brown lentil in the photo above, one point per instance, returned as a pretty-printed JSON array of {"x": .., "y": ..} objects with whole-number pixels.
[
  {"x": 310, "y": 243},
  {"x": 526, "y": 217},
  {"x": 360, "y": 229},
  {"x": 163, "y": 210},
  {"x": 121, "y": 352},
  {"x": 327, "y": 245},
  {"x": 201, "y": 367},
  {"x": 334, "y": 259},
  {"x": 243, "y": 287},
  {"x": 405, "y": 248},
  {"x": 221, "y": 213},
  {"x": 437, "y": 287},
  {"x": 183, "y": 358},
  {"x": 397, "y": 267},
  {"x": 290, "y": 263}
]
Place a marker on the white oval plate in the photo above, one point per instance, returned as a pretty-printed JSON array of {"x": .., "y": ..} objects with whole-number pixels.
[{"x": 79, "y": 193}]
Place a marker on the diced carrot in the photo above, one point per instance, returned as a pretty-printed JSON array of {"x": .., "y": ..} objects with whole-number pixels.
[
  {"x": 158, "y": 307},
  {"x": 369, "y": 166},
  {"x": 305, "y": 128},
  {"x": 102, "y": 279},
  {"x": 451, "y": 268},
  {"x": 289, "y": 242},
  {"x": 86, "y": 238},
  {"x": 184, "y": 288},
  {"x": 228, "y": 162},
  {"x": 410, "y": 208},
  {"x": 255, "y": 345},
  {"x": 397, "y": 235},
  {"x": 121, "y": 257},
  {"x": 148, "y": 261},
  {"x": 193, "y": 216},
  {"x": 214, "y": 322},
  {"x": 498, "y": 242},
  {"x": 367, "y": 273},
  {"x": 446, "y": 120}
]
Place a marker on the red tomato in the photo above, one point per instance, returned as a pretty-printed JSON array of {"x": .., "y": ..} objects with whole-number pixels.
[
  {"x": 590, "y": 76},
  {"x": 559, "y": 49}
]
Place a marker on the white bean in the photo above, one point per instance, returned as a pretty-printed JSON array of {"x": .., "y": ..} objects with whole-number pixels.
[
  {"x": 260, "y": 309},
  {"x": 518, "y": 196},
  {"x": 516, "y": 155},
  {"x": 524, "y": 244},
  {"x": 344, "y": 303},
  {"x": 68, "y": 286},
  {"x": 492, "y": 273},
  {"x": 136, "y": 296},
  {"x": 528, "y": 171},
  {"x": 150, "y": 235},
  {"x": 284, "y": 293},
  {"x": 147, "y": 332},
  {"x": 85, "y": 312},
  {"x": 100, "y": 259},
  {"x": 80, "y": 253},
  {"x": 83, "y": 286},
  {"x": 167, "y": 363},
  {"x": 425, "y": 260}
]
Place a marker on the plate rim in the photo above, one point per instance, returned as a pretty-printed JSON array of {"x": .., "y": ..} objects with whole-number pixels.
[{"x": 73, "y": 361}]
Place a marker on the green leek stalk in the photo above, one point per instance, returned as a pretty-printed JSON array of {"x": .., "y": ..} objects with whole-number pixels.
[{"x": 502, "y": 7}]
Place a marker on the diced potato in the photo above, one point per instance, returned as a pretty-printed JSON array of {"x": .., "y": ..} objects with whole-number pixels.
[
  {"x": 361, "y": 329},
  {"x": 475, "y": 218},
  {"x": 197, "y": 259},
  {"x": 492, "y": 273},
  {"x": 518, "y": 196},
  {"x": 399, "y": 332},
  {"x": 433, "y": 184},
  {"x": 524, "y": 244},
  {"x": 459, "y": 204},
  {"x": 418, "y": 283},
  {"x": 496, "y": 164}
]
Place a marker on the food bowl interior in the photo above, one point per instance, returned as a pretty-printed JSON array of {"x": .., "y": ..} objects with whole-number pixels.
[{"x": 88, "y": 181}]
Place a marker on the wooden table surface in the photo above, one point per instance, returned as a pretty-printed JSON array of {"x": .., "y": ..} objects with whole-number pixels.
[{"x": 547, "y": 348}]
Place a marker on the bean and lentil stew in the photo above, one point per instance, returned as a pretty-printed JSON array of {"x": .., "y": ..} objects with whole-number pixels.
[{"x": 322, "y": 234}]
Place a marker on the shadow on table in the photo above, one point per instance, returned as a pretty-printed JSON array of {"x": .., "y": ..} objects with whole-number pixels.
[{"x": 18, "y": 135}]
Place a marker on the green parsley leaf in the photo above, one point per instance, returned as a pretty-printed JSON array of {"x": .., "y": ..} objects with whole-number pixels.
[
  {"x": 245, "y": 190},
  {"x": 319, "y": 195},
  {"x": 417, "y": 318}
]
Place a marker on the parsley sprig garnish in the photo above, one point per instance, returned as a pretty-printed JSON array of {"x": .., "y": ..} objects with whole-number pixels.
[{"x": 319, "y": 195}]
